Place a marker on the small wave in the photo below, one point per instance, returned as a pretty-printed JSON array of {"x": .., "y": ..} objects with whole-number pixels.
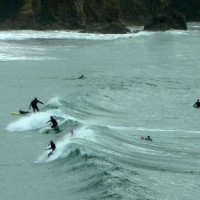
[
  {"x": 193, "y": 25},
  {"x": 23, "y": 58},
  {"x": 54, "y": 101},
  {"x": 151, "y": 129},
  {"x": 177, "y": 32},
  {"x": 60, "y": 152},
  {"x": 65, "y": 146},
  {"x": 27, "y": 35}
]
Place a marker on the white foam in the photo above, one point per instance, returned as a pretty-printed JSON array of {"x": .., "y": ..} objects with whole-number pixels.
[
  {"x": 29, "y": 34},
  {"x": 55, "y": 101},
  {"x": 62, "y": 145},
  {"x": 151, "y": 129},
  {"x": 31, "y": 122},
  {"x": 35, "y": 121}
]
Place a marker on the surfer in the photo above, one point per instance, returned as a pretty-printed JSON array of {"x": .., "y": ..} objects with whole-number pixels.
[
  {"x": 81, "y": 77},
  {"x": 53, "y": 121},
  {"x": 23, "y": 112},
  {"x": 197, "y": 104},
  {"x": 52, "y": 146},
  {"x": 34, "y": 104},
  {"x": 147, "y": 138}
]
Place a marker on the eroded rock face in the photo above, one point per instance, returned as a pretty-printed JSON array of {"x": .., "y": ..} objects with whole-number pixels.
[
  {"x": 190, "y": 8},
  {"x": 87, "y": 14},
  {"x": 107, "y": 28},
  {"x": 171, "y": 20}
]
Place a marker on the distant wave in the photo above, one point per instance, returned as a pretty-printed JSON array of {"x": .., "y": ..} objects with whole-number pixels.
[
  {"x": 152, "y": 129},
  {"x": 57, "y": 34},
  {"x": 24, "y": 35}
]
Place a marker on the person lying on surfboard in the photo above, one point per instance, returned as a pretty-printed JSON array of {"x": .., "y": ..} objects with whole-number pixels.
[
  {"x": 147, "y": 138},
  {"x": 81, "y": 77},
  {"x": 53, "y": 121},
  {"x": 34, "y": 104},
  {"x": 23, "y": 112},
  {"x": 52, "y": 146}
]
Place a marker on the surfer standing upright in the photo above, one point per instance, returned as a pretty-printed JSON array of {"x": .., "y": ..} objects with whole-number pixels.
[
  {"x": 52, "y": 146},
  {"x": 34, "y": 104}
]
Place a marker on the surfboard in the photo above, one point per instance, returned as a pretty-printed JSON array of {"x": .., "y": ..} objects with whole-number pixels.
[
  {"x": 15, "y": 113},
  {"x": 49, "y": 129}
]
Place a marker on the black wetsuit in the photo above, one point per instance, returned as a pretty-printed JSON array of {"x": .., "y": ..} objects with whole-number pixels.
[
  {"x": 197, "y": 104},
  {"x": 81, "y": 77},
  {"x": 53, "y": 147},
  {"x": 34, "y": 105},
  {"x": 54, "y": 122},
  {"x": 148, "y": 138},
  {"x": 23, "y": 112}
]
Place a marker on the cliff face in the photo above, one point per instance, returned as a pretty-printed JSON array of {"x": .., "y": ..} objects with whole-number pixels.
[
  {"x": 51, "y": 14},
  {"x": 83, "y": 14},
  {"x": 190, "y": 8}
]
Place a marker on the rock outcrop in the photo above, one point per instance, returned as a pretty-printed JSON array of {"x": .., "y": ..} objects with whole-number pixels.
[
  {"x": 171, "y": 20},
  {"x": 107, "y": 28},
  {"x": 108, "y": 16},
  {"x": 190, "y": 8}
]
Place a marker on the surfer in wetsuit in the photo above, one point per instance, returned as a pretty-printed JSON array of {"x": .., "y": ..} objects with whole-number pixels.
[
  {"x": 23, "y": 112},
  {"x": 52, "y": 146},
  {"x": 34, "y": 104},
  {"x": 147, "y": 138},
  {"x": 53, "y": 121},
  {"x": 81, "y": 77},
  {"x": 197, "y": 104}
]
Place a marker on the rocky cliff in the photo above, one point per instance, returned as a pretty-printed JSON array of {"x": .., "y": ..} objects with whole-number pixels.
[{"x": 94, "y": 15}]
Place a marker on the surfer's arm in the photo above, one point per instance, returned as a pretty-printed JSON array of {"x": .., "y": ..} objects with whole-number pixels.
[{"x": 40, "y": 102}]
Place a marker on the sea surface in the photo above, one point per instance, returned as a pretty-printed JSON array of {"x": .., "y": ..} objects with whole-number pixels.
[{"x": 134, "y": 85}]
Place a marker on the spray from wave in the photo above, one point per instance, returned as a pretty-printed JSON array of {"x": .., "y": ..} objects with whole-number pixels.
[
  {"x": 38, "y": 120},
  {"x": 67, "y": 144}
]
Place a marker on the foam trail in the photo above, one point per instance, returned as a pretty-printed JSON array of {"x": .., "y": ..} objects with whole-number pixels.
[
  {"x": 36, "y": 121},
  {"x": 32, "y": 122},
  {"x": 62, "y": 145},
  {"x": 54, "y": 101},
  {"x": 25, "y": 35}
]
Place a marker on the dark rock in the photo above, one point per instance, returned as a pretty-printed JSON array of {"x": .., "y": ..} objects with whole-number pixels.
[
  {"x": 172, "y": 20},
  {"x": 108, "y": 28},
  {"x": 190, "y": 8}
]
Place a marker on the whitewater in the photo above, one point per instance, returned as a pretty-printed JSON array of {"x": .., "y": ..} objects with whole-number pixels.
[{"x": 136, "y": 85}]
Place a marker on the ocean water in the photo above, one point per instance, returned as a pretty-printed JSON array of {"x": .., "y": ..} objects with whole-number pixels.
[{"x": 135, "y": 85}]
